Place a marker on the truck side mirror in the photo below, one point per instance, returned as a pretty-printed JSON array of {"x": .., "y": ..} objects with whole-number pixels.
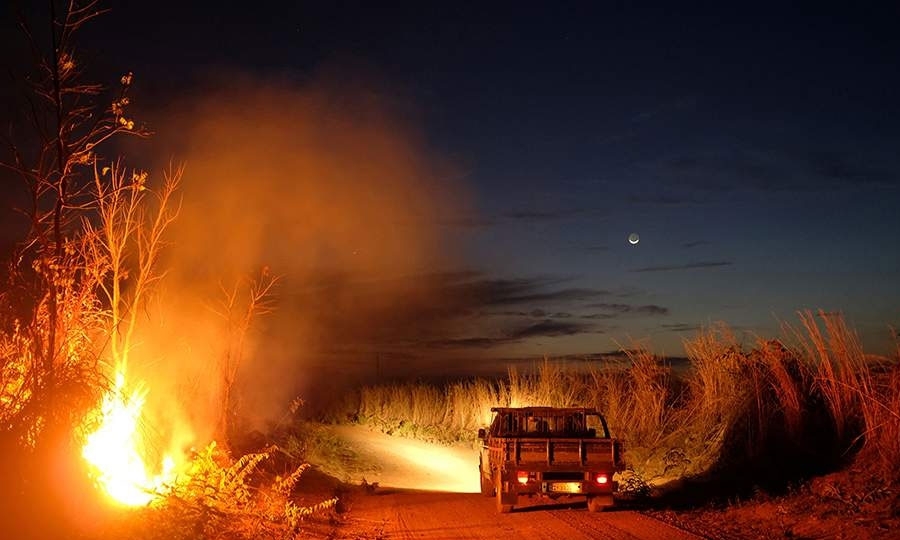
[{"x": 481, "y": 433}]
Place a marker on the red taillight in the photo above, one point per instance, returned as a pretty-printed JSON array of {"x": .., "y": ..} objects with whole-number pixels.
[
  {"x": 522, "y": 477},
  {"x": 601, "y": 479}
]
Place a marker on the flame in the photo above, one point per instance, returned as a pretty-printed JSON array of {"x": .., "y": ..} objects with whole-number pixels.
[{"x": 116, "y": 450}]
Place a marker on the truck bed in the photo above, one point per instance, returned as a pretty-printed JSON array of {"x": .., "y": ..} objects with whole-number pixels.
[{"x": 554, "y": 452}]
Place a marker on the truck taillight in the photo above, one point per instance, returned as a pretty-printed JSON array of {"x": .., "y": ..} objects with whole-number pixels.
[
  {"x": 601, "y": 479},
  {"x": 524, "y": 477}
]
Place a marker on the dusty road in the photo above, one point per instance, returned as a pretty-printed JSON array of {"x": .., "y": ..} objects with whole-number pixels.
[{"x": 429, "y": 491}]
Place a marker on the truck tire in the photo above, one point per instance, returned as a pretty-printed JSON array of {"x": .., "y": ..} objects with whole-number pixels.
[
  {"x": 487, "y": 488},
  {"x": 487, "y": 485},
  {"x": 502, "y": 508},
  {"x": 597, "y": 503}
]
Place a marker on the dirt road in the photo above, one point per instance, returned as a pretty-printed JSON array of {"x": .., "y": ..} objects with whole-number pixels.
[{"x": 429, "y": 491}]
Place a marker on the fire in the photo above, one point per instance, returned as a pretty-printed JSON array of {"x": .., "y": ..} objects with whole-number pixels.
[{"x": 116, "y": 450}]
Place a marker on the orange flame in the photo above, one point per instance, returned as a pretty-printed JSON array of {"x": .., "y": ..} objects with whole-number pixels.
[{"x": 116, "y": 450}]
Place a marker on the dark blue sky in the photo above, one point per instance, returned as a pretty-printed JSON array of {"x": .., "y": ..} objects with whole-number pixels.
[{"x": 755, "y": 150}]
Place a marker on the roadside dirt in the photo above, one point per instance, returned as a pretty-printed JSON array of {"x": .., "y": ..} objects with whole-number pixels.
[
  {"x": 403, "y": 488},
  {"x": 430, "y": 491},
  {"x": 837, "y": 506}
]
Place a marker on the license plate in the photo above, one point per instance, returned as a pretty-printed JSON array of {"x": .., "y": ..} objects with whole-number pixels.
[{"x": 565, "y": 487}]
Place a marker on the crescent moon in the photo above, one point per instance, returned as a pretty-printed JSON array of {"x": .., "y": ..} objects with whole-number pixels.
[{"x": 633, "y": 238}]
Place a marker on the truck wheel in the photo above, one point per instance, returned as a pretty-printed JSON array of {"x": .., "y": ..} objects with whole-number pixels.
[
  {"x": 487, "y": 488},
  {"x": 487, "y": 484},
  {"x": 598, "y": 503},
  {"x": 502, "y": 508}
]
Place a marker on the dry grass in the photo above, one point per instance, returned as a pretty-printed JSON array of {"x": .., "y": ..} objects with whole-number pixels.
[
  {"x": 882, "y": 435},
  {"x": 838, "y": 365},
  {"x": 768, "y": 414},
  {"x": 636, "y": 399}
]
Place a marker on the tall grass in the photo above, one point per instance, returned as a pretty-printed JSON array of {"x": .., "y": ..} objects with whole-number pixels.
[
  {"x": 635, "y": 398},
  {"x": 841, "y": 375},
  {"x": 771, "y": 411},
  {"x": 882, "y": 436}
]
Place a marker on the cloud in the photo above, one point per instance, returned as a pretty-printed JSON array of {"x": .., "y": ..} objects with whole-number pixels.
[
  {"x": 534, "y": 313},
  {"x": 540, "y": 313},
  {"x": 515, "y": 334},
  {"x": 651, "y": 309},
  {"x": 566, "y": 295},
  {"x": 487, "y": 292},
  {"x": 436, "y": 310},
  {"x": 600, "y": 316},
  {"x": 680, "y": 327},
  {"x": 537, "y": 215},
  {"x": 549, "y": 328},
  {"x": 688, "y": 266},
  {"x": 615, "y": 310},
  {"x": 608, "y": 357},
  {"x": 695, "y": 243},
  {"x": 618, "y": 308},
  {"x": 469, "y": 343}
]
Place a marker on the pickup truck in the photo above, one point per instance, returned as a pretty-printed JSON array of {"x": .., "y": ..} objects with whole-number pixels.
[{"x": 549, "y": 452}]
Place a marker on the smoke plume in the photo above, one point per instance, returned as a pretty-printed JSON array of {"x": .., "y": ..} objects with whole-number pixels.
[{"x": 327, "y": 188}]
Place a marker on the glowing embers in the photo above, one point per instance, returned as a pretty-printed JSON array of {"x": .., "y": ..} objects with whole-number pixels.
[{"x": 116, "y": 449}]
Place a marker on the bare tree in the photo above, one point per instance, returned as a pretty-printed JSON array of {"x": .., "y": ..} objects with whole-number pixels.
[
  {"x": 96, "y": 230},
  {"x": 240, "y": 305},
  {"x": 66, "y": 126},
  {"x": 125, "y": 245},
  {"x": 85, "y": 264}
]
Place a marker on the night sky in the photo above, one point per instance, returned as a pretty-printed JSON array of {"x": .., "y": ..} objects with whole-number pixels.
[{"x": 755, "y": 151}]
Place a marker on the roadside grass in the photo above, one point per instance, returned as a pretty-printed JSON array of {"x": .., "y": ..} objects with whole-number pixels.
[
  {"x": 741, "y": 418},
  {"x": 313, "y": 442}
]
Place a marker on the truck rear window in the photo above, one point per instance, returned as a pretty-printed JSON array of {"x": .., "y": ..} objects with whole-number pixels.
[{"x": 534, "y": 425}]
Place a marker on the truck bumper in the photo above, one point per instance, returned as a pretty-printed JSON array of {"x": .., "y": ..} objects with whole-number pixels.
[{"x": 560, "y": 488}]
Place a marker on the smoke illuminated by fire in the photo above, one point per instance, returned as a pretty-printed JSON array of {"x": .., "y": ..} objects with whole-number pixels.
[
  {"x": 337, "y": 192},
  {"x": 117, "y": 449}
]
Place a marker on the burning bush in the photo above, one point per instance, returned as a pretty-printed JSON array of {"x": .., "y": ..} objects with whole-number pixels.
[
  {"x": 78, "y": 285},
  {"x": 218, "y": 497}
]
